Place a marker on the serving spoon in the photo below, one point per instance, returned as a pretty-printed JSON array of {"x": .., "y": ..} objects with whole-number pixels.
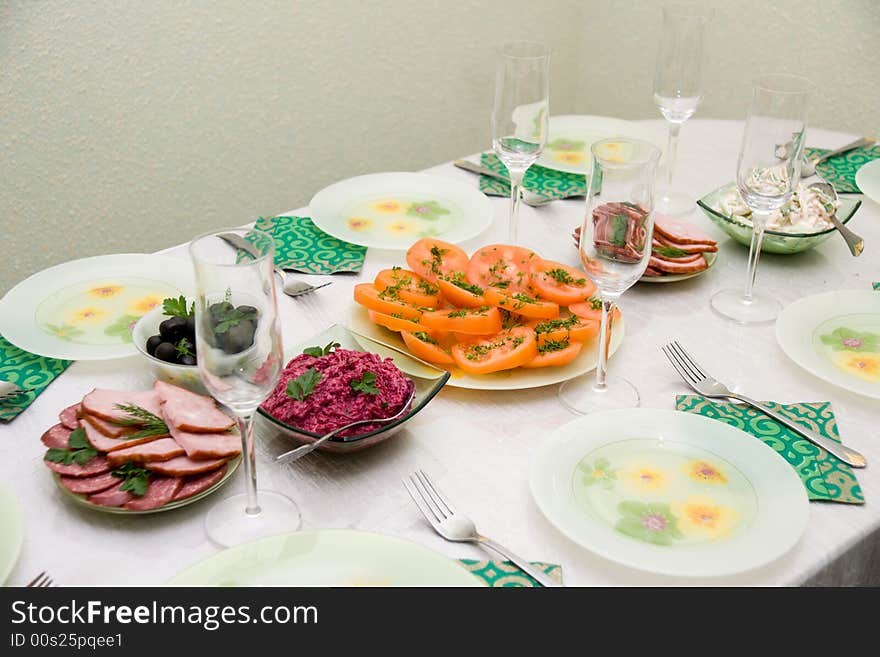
[
  {"x": 302, "y": 450},
  {"x": 855, "y": 243}
]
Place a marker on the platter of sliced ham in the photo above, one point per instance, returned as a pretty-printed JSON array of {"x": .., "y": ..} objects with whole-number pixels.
[{"x": 141, "y": 451}]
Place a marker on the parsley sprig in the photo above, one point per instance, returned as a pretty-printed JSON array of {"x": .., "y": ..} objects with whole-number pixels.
[
  {"x": 150, "y": 423},
  {"x": 366, "y": 384},
  {"x": 317, "y": 352},
  {"x": 304, "y": 385},
  {"x": 80, "y": 450},
  {"x": 135, "y": 478},
  {"x": 177, "y": 307}
]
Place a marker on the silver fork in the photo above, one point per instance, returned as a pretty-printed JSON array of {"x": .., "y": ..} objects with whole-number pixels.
[
  {"x": 40, "y": 581},
  {"x": 8, "y": 391},
  {"x": 707, "y": 386},
  {"x": 453, "y": 526}
]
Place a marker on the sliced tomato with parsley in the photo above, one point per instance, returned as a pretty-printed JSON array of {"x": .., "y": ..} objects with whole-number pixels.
[
  {"x": 422, "y": 345},
  {"x": 502, "y": 351},
  {"x": 502, "y": 267},
  {"x": 407, "y": 286},
  {"x": 484, "y": 320},
  {"x": 554, "y": 354},
  {"x": 369, "y": 297},
  {"x": 456, "y": 289},
  {"x": 431, "y": 258},
  {"x": 592, "y": 309},
  {"x": 394, "y": 323},
  {"x": 560, "y": 283},
  {"x": 571, "y": 327},
  {"x": 522, "y": 304}
]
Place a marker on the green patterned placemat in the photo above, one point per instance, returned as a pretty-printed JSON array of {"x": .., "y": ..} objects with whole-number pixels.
[
  {"x": 504, "y": 573},
  {"x": 840, "y": 171},
  {"x": 302, "y": 246},
  {"x": 28, "y": 371},
  {"x": 546, "y": 182},
  {"x": 825, "y": 477}
]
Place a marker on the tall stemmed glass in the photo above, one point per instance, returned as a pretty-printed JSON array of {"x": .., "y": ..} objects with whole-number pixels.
[
  {"x": 768, "y": 171},
  {"x": 615, "y": 248},
  {"x": 238, "y": 341},
  {"x": 520, "y": 116},
  {"x": 678, "y": 88}
]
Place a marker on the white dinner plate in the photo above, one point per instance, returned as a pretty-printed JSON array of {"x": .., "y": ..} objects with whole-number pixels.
[
  {"x": 11, "y": 532},
  {"x": 868, "y": 180},
  {"x": 835, "y": 336},
  {"x": 393, "y": 210},
  {"x": 515, "y": 379},
  {"x": 330, "y": 557},
  {"x": 570, "y": 138},
  {"x": 669, "y": 492},
  {"x": 85, "y": 309}
]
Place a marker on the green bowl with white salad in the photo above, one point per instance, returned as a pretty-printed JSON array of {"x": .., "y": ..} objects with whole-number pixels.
[{"x": 802, "y": 224}]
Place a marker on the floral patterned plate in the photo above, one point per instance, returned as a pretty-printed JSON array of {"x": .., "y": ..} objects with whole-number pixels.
[
  {"x": 393, "y": 210},
  {"x": 835, "y": 336},
  {"x": 570, "y": 138},
  {"x": 85, "y": 309},
  {"x": 669, "y": 492}
]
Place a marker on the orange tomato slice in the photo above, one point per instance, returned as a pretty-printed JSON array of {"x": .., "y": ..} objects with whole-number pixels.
[
  {"x": 571, "y": 328},
  {"x": 592, "y": 309},
  {"x": 369, "y": 297},
  {"x": 522, "y": 304},
  {"x": 472, "y": 321},
  {"x": 556, "y": 357},
  {"x": 394, "y": 323},
  {"x": 457, "y": 291},
  {"x": 430, "y": 258},
  {"x": 407, "y": 286},
  {"x": 502, "y": 351},
  {"x": 422, "y": 345},
  {"x": 501, "y": 266},
  {"x": 560, "y": 283}
]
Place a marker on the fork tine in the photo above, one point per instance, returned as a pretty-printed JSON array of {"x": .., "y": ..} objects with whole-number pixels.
[
  {"x": 429, "y": 515},
  {"x": 428, "y": 497},
  {"x": 437, "y": 496},
  {"x": 47, "y": 583},
  {"x": 36, "y": 579},
  {"x": 690, "y": 360},
  {"x": 693, "y": 375},
  {"x": 673, "y": 360}
]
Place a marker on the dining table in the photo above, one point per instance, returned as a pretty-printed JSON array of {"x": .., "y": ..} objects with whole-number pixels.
[{"x": 478, "y": 445}]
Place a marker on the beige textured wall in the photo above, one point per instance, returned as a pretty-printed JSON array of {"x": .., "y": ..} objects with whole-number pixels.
[{"x": 130, "y": 126}]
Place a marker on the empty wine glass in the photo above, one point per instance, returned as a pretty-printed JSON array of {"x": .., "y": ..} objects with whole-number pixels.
[
  {"x": 520, "y": 116},
  {"x": 238, "y": 342},
  {"x": 678, "y": 88},
  {"x": 768, "y": 171},
  {"x": 615, "y": 247}
]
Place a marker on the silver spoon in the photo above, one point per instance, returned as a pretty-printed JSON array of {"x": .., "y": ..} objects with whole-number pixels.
[
  {"x": 302, "y": 450},
  {"x": 855, "y": 243}
]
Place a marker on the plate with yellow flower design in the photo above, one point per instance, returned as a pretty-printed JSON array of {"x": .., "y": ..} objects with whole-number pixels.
[
  {"x": 669, "y": 492},
  {"x": 393, "y": 210},
  {"x": 85, "y": 309},
  {"x": 570, "y": 138},
  {"x": 835, "y": 336}
]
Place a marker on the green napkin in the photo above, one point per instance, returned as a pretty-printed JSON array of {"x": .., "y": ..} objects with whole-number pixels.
[
  {"x": 876, "y": 285},
  {"x": 840, "y": 171},
  {"x": 505, "y": 574},
  {"x": 546, "y": 182},
  {"x": 303, "y": 247},
  {"x": 28, "y": 371},
  {"x": 825, "y": 477}
]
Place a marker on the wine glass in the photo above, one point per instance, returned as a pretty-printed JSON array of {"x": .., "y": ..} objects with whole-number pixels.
[
  {"x": 238, "y": 342},
  {"x": 615, "y": 248},
  {"x": 520, "y": 116},
  {"x": 678, "y": 88},
  {"x": 768, "y": 171}
]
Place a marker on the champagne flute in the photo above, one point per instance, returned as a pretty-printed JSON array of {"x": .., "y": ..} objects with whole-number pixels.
[
  {"x": 678, "y": 87},
  {"x": 615, "y": 248},
  {"x": 766, "y": 177},
  {"x": 520, "y": 116},
  {"x": 238, "y": 341}
]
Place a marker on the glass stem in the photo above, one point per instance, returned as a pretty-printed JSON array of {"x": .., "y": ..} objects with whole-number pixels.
[
  {"x": 246, "y": 428},
  {"x": 604, "y": 343},
  {"x": 516, "y": 178},
  {"x": 671, "y": 152},
  {"x": 759, "y": 222}
]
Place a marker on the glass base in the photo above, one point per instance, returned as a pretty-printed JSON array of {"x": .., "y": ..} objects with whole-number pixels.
[
  {"x": 674, "y": 203},
  {"x": 581, "y": 395},
  {"x": 228, "y": 524},
  {"x": 733, "y": 305}
]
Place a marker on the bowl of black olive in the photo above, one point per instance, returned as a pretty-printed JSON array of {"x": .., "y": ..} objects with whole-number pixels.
[{"x": 166, "y": 337}]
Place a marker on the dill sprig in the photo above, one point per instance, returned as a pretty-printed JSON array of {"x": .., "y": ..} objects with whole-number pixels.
[{"x": 152, "y": 424}]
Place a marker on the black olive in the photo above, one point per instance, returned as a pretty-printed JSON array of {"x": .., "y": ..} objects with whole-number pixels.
[
  {"x": 166, "y": 352},
  {"x": 220, "y": 309},
  {"x": 191, "y": 327},
  {"x": 172, "y": 329},
  {"x": 152, "y": 342},
  {"x": 187, "y": 360},
  {"x": 247, "y": 310},
  {"x": 238, "y": 338}
]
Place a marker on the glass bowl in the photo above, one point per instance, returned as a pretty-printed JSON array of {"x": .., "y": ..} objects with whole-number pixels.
[
  {"x": 428, "y": 381},
  {"x": 774, "y": 241},
  {"x": 185, "y": 376}
]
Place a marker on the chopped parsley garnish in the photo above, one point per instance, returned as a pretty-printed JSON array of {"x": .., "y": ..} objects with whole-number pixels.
[
  {"x": 563, "y": 277},
  {"x": 304, "y": 385},
  {"x": 80, "y": 450},
  {"x": 595, "y": 303},
  {"x": 462, "y": 312},
  {"x": 436, "y": 259},
  {"x": 459, "y": 281},
  {"x": 550, "y": 325},
  {"x": 317, "y": 352},
  {"x": 553, "y": 345},
  {"x": 366, "y": 384},
  {"x": 424, "y": 337},
  {"x": 524, "y": 298}
]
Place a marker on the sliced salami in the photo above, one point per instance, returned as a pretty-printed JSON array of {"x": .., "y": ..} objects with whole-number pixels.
[
  {"x": 161, "y": 490},
  {"x": 111, "y": 497},
  {"x": 156, "y": 450},
  {"x": 198, "y": 483},
  {"x": 69, "y": 416},
  {"x": 56, "y": 436},
  {"x": 188, "y": 411},
  {"x": 88, "y": 485},
  {"x": 95, "y": 466}
]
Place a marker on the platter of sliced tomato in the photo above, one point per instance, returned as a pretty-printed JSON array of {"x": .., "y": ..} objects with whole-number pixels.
[{"x": 502, "y": 319}]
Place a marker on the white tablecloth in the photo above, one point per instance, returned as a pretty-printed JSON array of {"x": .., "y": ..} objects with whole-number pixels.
[{"x": 478, "y": 445}]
